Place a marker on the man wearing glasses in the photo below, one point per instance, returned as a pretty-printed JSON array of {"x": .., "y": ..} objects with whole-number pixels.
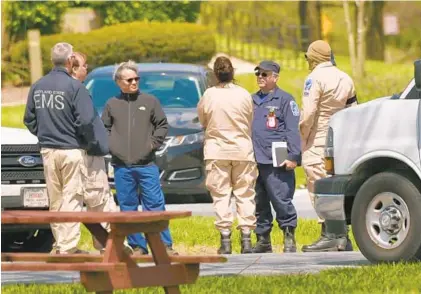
[
  {"x": 276, "y": 117},
  {"x": 137, "y": 127}
]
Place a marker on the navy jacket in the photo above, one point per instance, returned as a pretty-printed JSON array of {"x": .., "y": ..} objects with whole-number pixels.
[
  {"x": 287, "y": 120},
  {"x": 60, "y": 112}
]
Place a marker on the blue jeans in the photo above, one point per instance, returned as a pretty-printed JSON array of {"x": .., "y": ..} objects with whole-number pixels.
[{"x": 127, "y": 181}]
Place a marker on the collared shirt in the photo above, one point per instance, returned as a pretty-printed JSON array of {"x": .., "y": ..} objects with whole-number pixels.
[
  {"x": 286, "y": 125},
  {"x": 226, "y": 114}
]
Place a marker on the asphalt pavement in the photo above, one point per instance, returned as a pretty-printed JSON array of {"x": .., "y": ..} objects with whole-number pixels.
[
  {"x": 237, "y": 264},
  {"x": 301, "y": 202}
]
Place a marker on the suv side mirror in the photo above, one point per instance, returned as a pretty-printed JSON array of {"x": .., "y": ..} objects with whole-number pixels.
[{"x": 417, "y": 74}]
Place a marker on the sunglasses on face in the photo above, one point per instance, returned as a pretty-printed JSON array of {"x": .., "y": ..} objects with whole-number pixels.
[
  {"x": 132, "y": 79},
  {"x": 263, "y": 74}
]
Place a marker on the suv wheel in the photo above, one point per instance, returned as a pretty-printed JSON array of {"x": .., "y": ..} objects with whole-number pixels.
[
  {"x": 33, "y": 241},
  {"x": 385, "y": 219}
]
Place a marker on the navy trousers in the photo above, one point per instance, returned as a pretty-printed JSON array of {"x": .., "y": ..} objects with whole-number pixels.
[
  {"x": 277, "y": 186},
  {"x": 127, "y": 181}
]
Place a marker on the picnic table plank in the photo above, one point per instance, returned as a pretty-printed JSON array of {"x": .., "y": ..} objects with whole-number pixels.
[
  {"x": 46, "y": 257},
  {"x": 88, "y": 217},
  {"x": 43, "y": 266},
  {"x": 169, "y": 276}
]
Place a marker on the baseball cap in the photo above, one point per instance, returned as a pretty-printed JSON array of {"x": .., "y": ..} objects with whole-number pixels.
[{"x": 269, "y": 66}]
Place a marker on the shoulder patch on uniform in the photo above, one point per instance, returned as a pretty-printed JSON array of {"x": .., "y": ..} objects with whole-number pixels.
[
  {"x": 294, "y": 108},
  {"x": 307, "y": 86}
]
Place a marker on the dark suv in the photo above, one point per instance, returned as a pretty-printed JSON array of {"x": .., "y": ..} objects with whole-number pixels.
[{"x": 178, "y": 88}]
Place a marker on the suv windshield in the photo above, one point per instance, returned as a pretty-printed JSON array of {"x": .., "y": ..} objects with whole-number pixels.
[{"x": 174, "y": 90}]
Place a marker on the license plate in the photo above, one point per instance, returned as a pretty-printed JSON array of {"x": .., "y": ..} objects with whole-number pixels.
[{"x": 35, "y": 197}]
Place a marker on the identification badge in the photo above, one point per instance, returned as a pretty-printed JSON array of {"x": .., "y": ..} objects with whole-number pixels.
[{"x": 271, "y": 119}]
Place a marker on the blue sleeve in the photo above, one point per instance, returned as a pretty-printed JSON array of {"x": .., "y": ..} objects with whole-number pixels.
[
  {"x": 291, "y": 115},
  {"x": 29, "y": 118}
]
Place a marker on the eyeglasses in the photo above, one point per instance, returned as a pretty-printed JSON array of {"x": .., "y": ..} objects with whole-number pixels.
[
  {"x": 263, "y": 74},
  {"x": 131, "y": 80}
]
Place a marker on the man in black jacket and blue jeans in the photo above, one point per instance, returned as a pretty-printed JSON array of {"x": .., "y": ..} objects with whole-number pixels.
[{"x": 137, "y": 127}]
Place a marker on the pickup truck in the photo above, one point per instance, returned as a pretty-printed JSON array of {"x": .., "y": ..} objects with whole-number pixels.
[
  {"x": 373, "y": 154},
  {"x": 23, "y": 187}
]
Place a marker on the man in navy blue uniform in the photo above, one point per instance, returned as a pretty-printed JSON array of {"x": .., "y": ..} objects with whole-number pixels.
[{"x": 276, "y": 118}]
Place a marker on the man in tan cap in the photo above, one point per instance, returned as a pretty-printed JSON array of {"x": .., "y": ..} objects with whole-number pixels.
[{"x": 326, "y": 91}]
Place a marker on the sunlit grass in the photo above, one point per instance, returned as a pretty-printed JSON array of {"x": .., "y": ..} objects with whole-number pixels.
[{"x": 393, "y": 278}]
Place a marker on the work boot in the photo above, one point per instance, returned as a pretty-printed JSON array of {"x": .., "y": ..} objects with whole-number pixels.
[
  {"x": 263, "y": 244},
  {"x": 225, "y": 247},
  {"x": 289, "y": 240},
  {"x": 330, "y": 240},
  {"x": 246, "y": 246}
]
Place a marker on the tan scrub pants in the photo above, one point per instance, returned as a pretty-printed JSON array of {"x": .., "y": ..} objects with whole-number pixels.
[
  {"x": 73, "y": 177},
  {"x": 225, "y": 178},
  {"x": 314, "y": 167}
]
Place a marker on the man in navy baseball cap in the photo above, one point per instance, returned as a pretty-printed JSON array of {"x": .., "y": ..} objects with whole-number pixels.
[{"x": 268, "y": 65}]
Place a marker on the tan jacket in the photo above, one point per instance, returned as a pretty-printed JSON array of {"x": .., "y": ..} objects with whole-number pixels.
[
  {"x": 326, "y": 91},
  {"x": 227, "y": 115}
]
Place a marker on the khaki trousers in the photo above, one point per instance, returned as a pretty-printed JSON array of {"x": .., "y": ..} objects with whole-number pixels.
[
  {"x": 314, "y": 168},
  {"x": 63, "y": 176},
  {"x": 225, "y": 178},
  {"x": 97, "y": 194},
  {"x": 73, "y": 177}
]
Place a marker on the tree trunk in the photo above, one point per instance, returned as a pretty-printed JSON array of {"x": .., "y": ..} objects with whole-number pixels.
[
  {"x": 314, "y": 20},
  {"x": 361, "y": 33},
  {"x": 375, "y": 37},
  {"x": 351, "y": 39},
  {"x": 304, "y": 27}
]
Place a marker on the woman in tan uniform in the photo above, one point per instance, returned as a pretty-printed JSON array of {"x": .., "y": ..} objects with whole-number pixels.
[{"x": 226, "y": 113}]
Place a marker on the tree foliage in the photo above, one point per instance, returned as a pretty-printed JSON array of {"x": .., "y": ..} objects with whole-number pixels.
[
  {"x": 21, "y": 16},
  {"x": 114, "y": 12}
]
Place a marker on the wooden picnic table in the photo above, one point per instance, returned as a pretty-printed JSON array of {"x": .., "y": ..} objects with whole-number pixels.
[{"x": 115, "y": 269}]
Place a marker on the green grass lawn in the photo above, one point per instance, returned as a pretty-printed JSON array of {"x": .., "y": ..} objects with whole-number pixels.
[
  {"x": 399, "y": 278},
  {"x": 197, "y": 235}
]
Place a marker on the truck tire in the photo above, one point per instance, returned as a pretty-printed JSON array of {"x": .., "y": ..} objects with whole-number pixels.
[
  {"x": 42, "y": 242},
  {"x": 386, "y": 219}
]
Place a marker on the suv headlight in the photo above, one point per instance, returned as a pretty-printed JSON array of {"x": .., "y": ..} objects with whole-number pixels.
[
  {"x": 187, "y": 139},
  {"x": 329, "y": 156}
]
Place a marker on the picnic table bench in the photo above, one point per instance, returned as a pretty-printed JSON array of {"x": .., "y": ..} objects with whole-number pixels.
[{"x": 115, "y": 269}]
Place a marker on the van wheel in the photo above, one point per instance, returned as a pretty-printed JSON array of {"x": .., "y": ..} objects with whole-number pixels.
[{"x": 385, "y": 219}]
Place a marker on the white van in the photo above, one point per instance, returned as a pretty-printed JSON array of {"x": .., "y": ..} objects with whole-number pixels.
[{"x": 373, "y": 154}]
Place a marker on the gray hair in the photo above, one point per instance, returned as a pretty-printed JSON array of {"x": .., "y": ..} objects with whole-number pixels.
[
  {"x": 130, "y": 65},
  {"x": 60, "y": 53}
]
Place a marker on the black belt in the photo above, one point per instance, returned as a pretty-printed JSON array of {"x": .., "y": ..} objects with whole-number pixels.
[{"x": 351, "y": 100}]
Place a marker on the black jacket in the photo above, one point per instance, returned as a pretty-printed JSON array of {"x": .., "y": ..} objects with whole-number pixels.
[
  {"x": 60, "y": 112},
  {"x": 137, "y": 127}
]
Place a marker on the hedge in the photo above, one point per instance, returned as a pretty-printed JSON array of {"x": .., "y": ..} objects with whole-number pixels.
[{"x": 139, "y": 41}]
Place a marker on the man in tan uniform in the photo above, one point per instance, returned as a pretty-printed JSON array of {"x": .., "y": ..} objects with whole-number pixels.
[
  {"x": 226, "y": 113},
  {"x": 327, "y": 90},
  {"x": 96, "y": 189}
]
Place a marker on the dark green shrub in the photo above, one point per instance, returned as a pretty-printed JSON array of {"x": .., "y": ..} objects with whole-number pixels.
[{"x": 139, "y": 41}]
